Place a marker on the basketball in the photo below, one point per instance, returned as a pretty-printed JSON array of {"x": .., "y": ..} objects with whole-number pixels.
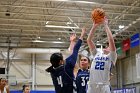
[{"x": 97, "y": 15}]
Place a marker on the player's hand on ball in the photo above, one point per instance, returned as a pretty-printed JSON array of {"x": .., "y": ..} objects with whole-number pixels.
[
  {"x": 96, "y": 24},
  {"x": 98, "y": 15}
]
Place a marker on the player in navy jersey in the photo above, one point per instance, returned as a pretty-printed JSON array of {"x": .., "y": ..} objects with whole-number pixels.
[
  {"x": 62, "y": 71},
  {"x": 81, "y": 71},
  {"x": 82, "y": 77}
]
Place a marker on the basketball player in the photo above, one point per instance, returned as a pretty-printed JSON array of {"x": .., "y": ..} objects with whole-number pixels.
[
  {"x": 26, "y": 89},
  {"x": 62, "y": 73},
  {"x": 82, "y": 77},
  {"x": 3, "y": 86},
  {"x": 100, "y": 66},
  {"x": 81, "y": 70}
]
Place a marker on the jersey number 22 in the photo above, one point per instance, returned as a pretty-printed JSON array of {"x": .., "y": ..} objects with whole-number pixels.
[{"x": 99, "y": 65}]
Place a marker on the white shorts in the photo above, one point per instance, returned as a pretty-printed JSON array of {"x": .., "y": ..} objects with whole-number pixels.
[{"x": 98, "y": 88}]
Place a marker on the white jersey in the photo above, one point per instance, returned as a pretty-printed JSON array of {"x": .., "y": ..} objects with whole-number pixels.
[
  {"x": 4, "y": 91},
  {"x": 100, "y": 67}
]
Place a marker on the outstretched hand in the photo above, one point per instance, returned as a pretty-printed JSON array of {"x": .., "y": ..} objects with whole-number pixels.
[
  {"x": 103, "y": 21},
  {"x": 96, "y": 24},
  {"x": 73, "y": 37},
  {"x": 83, "y": 31}
]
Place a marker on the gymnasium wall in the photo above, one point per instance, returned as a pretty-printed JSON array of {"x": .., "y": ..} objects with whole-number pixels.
[
  {"x": 129, "y": 67},
  {"x": 126, "y": 70},
  {"x": 22, "y": 68}
]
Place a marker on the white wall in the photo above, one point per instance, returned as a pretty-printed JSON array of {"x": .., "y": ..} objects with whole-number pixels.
[
  {"x": 21, "y": 68},
  {"x": 126, "y": 71}
]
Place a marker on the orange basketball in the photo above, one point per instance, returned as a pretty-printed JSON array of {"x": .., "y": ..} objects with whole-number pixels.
[{"x": 98, "y": 15}]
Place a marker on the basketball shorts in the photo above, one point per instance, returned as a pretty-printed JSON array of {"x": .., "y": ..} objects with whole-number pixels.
[{"x": 98, "y": 88}]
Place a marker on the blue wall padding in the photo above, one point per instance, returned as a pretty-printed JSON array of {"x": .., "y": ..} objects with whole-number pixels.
[{"x": 35, "y": 91}]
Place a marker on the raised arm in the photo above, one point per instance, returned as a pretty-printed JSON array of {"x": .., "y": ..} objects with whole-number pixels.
[
  {"x": 83, "y": 33},
  {"x": 90, "y": 43},
  {"x": 109, "y": 36},
  {"x": 78, "y": 44},
  {"x": 72, "y": 43},
  {"x": 73, "y": 57},
  {"x": 113, "y": 54}
]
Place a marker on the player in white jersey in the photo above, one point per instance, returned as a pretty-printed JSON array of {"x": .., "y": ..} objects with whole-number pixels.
[
  {"x": 101, "y": 62},
  {"x": 3, "y": 86}
]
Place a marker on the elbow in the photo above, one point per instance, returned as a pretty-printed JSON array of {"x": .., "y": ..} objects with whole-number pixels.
[{"x": 115, "y": 49}]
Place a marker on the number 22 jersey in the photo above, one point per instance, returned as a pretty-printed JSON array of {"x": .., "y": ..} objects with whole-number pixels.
[{"x": 100, "y": 67}]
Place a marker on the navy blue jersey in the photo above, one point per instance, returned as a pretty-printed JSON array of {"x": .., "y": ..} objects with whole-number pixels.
[
  {"x": 63, "y": 76},
  {"x": 81, "y": 80}
]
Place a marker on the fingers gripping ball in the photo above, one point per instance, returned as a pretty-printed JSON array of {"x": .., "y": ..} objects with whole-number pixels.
[{"x": 98, "y": 15}]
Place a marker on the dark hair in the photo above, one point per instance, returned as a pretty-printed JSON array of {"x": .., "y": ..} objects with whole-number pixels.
[
  {"x": 50, "y": 69},
  {"x": 24, "y": 86},
  {"x": 2, "y": 78},
  {"x": 54, "y": 60}
]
